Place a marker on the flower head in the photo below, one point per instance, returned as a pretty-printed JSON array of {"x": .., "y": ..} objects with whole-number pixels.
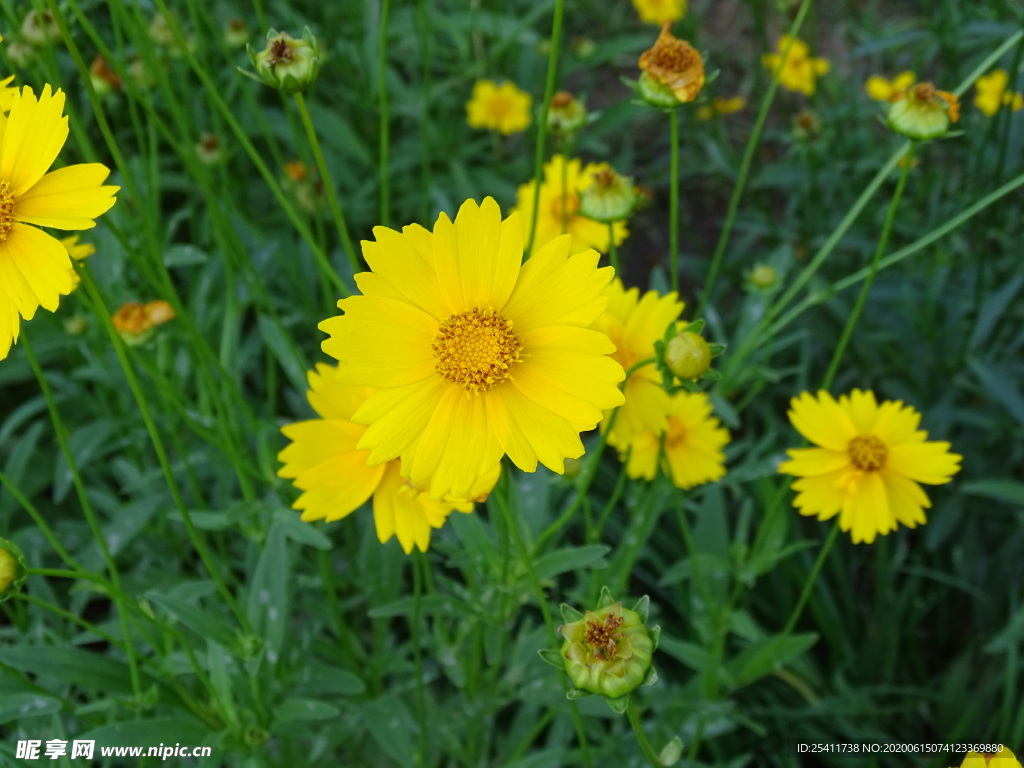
[
  {"x": 660, "y": 11},
  {"x": 720, "y": 106},
  {"x": 673, "y": 71},
  {"x": 692, "y": 441},
  {"x": 135, "y": 322},
  {"x": 992, "y": 94},
  {"x": 566, "y": 115},
  {"x": 798, "y": 71},
  {"x": 558, "y": 210},
  {"x": 634, "y": 323},
  {"x": 504, "y": 108},
  {"x": 13, "y": 569},
  {"x": 867, "y": 464},
  {"x": 609, "y": 198},
  {"x": 880, "y": 89},
  {"x": 285, "y": 63},
  {"x": 474, "y": 354},
  {"x": 325, "y": 464},
  {"x": 34, "y": 267},
  {"x": 923, "y": 112}
]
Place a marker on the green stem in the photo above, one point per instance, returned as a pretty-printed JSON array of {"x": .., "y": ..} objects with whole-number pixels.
[
  {"x": 613, "y": 254},
  {"x": 90, "y": 514},
  {"x": 417, "y": 655},
  {"x": 673, "y": 202},
  {"x": 40, "y": 522},
  {"x": 809, "y": 581},
  {"x": 382, "y": 101},
  {"x": 64, "y": 574},
  {"x": 325, "y": 175},
  {"x": 641, "y": 737},
  {"x": 748, "y": 158},
  {"x": 883, "y": 240},
  {"x": 542, "y": 123}
]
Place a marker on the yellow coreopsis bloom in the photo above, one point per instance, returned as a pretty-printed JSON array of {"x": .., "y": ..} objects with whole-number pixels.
[
  {"x": 868, "y": 463},
  {"x": 799, "y": 72},
  {"x": 504, "y": 108},
  {"x": 634, "y": 323},
  {"x": 880, "y": 89},
  {"x": 325, "y": 464},
  {"x": 474, "y": 354},
  {"x": 720, "y": 106},
  {"x": 692, "y": 442},
  {"x": 558, "y": 207},
  {"x": 1001, "y": 759},
  {"x": 660, "y": 11},
  {"x": 992, "y": 94},
  {"x": 34, "y": 267}
]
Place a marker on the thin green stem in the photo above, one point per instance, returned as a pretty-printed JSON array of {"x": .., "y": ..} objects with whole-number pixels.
[
  {"x": 382, "y": 103},
  {"x": 883, "y": 241},
  {"x": 673, "y": 202},
  {"x": 65, "y": 574},
  {"x": 641, "y": 737},
  {"x": 325, "y": 175},
  {"x": 748, "y": 158},
  {"x": 40, "y": 522},
  {"x": 549, "y": 91},
  {"x": 805, "y": 593}
]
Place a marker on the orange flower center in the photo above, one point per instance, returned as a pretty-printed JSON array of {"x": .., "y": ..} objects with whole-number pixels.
[
  {"x": 867, "y": 453},
  {"x": 6, "y": 209},
  {"x": 500, "y": 107},
  {"x": 565, "y": 214},
  {"x": 601, "y": 636},
  {"x": 475, "y": 349}
]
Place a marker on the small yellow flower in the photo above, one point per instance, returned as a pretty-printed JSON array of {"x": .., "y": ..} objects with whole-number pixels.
[
  {"x": 799, "y": 72},
  {"x": 325, "y": 464},
  {"x": 558, "y": 211},
  {"x": 992, "y": 94},
  {"x": 720, "y": 106},
  {"x": 660, "y": 11},
  {"x": 77, "y": 251},
  {"x": 880, "y": 89},
  {"x": 692, "y": 442},
  {"x": 1002, "y": 759},
  {"x": 35, "y": 270},
  {"x": 504, "y": 108},
  {"x": 673, "y": 71},
  {"x": 867, "y": 464},
  {"x": 923, "y": 112}
]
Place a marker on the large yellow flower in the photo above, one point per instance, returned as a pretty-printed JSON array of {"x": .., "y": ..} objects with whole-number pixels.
[
  {"x": 658, "y": 11},
  {"x": 692, "y": 442},
  {"x": 799, "y": 71},
  {"x": 992, "y": 93},
  {"x": 331, "y": 471},
  {"x": 504, "y": 108},
  {"x": 475, "y": 354},
  {"x": 34, "y": 267},
  {"x": 868, "y": 463},
  {"x": 634, "y": 324},
  {"x": 558, "y": 213}
]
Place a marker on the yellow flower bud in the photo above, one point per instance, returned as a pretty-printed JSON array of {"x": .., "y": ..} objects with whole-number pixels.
[
  {"x": 687, "y": 355},
  {"x": 13, "y": 569},
  {"x": 762, "y": 276}
]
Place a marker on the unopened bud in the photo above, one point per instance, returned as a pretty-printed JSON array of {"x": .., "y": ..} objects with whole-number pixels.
[
  {"x": 924, "y": 112},
  {"x": 566, "y": 115},
  {"x": 687, "y": 355},
  {"x": 13, "y": 569},
  {"x": 287, "y": 64},
  {"x": 609, "y": 198}
]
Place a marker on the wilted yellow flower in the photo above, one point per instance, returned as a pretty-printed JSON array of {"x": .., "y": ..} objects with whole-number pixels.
[
  {"x": 673, "y": 71},
  {"x": 325, "y": 464},
  {"x": 799, "y": 72},
  {"x": 660, "y": 11},
  {"x": 923, "y": 112},
  {"x": 135, "y": 322},
  {"x": 880, "y": 89},
  {"x": 992, "y": 94},
  {"x": 104, "y": 79},
  {"x": 558, "y": 210},
  {"x": 692, "y": 442},
  {"x": 34, "y": 267},
  {"x": 474, "y": 353},
  {"x": 504, "y": 108},
  {"x": 720, "y": 106},
  {"x": 868, "y": 463}
]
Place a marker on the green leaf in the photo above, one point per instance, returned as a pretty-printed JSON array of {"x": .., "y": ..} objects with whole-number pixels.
[
  {"x": 554, "y": 658},
  {"x": 569, "y": 559},
  {"x": 302, "y": 710},
  {"x": 619, "y": 704},
  {"x": 267, "y": 607},
  {"x": 389, "y": 723},
  {"x": 1010, "y": 491},
  {"x": 301, "y": 532},
  {"x": 206, "y": 625},
  {"x": 18, "y": 706},
  {"x": 152, "y": 732},
  {"x": 768, "y": 655},
  {"x": 671, "y": 752},
  {"x": 69, "y": 665},
  {"x": 570, "y": 614}
]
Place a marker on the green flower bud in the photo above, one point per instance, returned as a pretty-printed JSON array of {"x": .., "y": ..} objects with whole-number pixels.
[
  {"x": 687, "y": 355},
  {"x": 13, "y": 569},
  {"x": 608, "y": 651},
  {"x": 610, "y": 198},
  {"x": 923, "y": 112},
  {"x": 40, "y": 28},
  {"x": 287, "y": 64},
  {"x": 762, "y": 277},
  {"x": 566, "y": 114},
  {"x": 235, "y": 34}
]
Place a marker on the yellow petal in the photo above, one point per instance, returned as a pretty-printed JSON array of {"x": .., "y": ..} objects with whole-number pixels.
[
  {"x": 879, "y": 88},
  {"x": 34, "y": 133},
  {"x": 37, "y": 269},
  {"x": 929, "y": 463},
  {"x": 397, "y": 416},
  {"x": 805, "y": 462},
  {"x": 394, "y": 258},
  {"x": 822, "y": 421},
  {"x": 68, "y": 198},
  {"x": 551, "y": 438}
]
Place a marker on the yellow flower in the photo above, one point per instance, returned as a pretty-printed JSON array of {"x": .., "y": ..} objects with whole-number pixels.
[
  {"x": 923, "y": 112},
  {"x": 77, "y": 251},
  {"x": 799, "y": 71},
  {"x": 34, "y": 267},
  {"x": 504, "y": 108},
  {"x": 660, "y": 11},
  {"x": 8, "y": 93},
  {"x": 868, "y": 463},
  {"x": 634, "y": 323},
  {"x": 992, "y": 93},
  {"x": 692, "y": 442},
  {"x": 325, "y": 464},
  {"x": 673, "y": 71},
  {"x": 880, "y": 89},
  {"x": 474, "y": 353},
  {"x": 559, "y": 214},
  {"x": 1002, "y": 759},
  {"x": 720, "y": 106}
]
